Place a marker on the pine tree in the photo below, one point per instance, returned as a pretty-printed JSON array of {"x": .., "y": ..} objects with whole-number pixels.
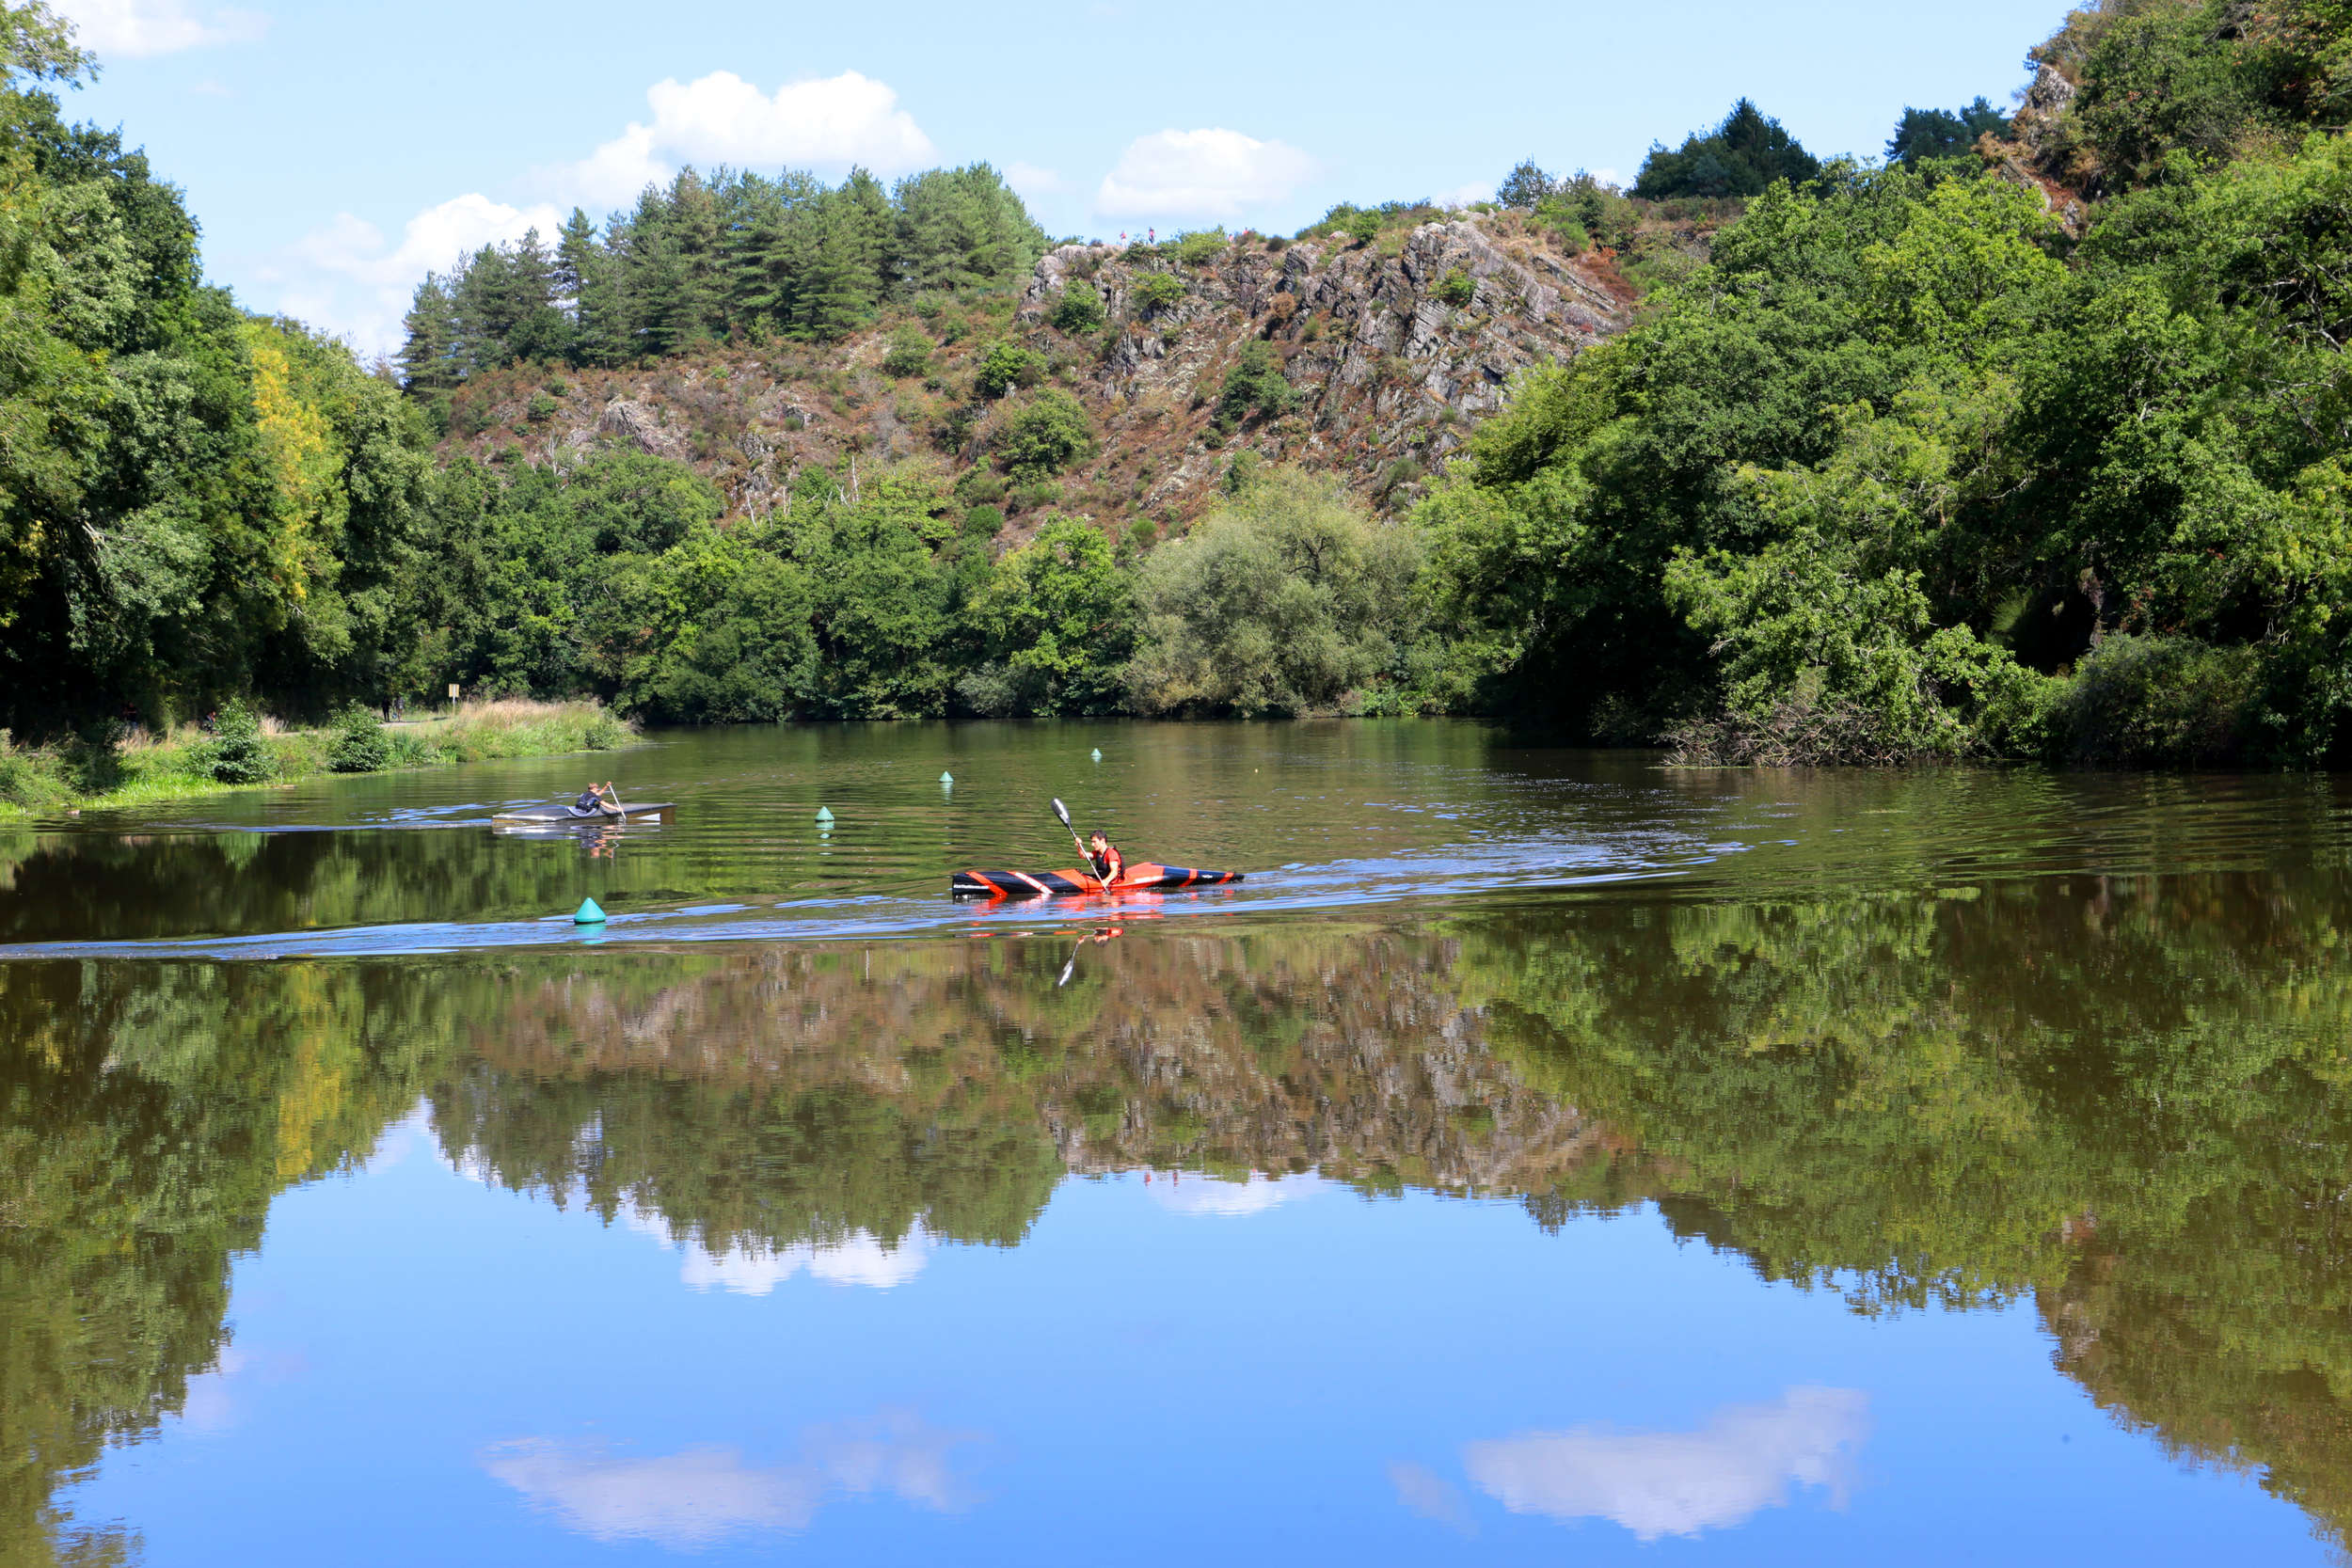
[
  {"x": 959, "y": 227},
  {"x": 840, "y": 275},
  {"x": 425, "y": 363},
  {"x": 586, "y": 287}
]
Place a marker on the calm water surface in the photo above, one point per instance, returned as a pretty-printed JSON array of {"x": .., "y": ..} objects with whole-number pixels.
[{"x": 1543, "y": 1156}]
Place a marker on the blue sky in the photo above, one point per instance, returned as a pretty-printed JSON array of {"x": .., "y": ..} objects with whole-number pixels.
[{"x": 334, "y": 152}]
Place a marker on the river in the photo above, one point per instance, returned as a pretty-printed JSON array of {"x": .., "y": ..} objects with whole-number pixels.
[{"x": 1543, "y": 1155}]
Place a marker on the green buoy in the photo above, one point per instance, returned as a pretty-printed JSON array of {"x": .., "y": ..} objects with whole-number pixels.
[
  {"x": 823, "y": 815},
  {"x": 948, "y": 779},
  {"x": 589, "y": 914}
]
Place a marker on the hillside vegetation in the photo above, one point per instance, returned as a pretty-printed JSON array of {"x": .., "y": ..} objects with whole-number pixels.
[{"x": 2026, "y": 442}]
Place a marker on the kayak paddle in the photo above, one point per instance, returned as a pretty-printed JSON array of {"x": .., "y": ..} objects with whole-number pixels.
[{"x": 1063, "y": 812}]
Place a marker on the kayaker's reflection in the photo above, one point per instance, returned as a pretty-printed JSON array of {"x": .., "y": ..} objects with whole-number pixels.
[
  {"x": 604, "y": 842},
  {"x": 1098, "y": 938}
]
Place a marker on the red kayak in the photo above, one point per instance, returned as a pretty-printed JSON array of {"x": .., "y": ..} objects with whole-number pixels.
[{"x": 1143, "y": 877}]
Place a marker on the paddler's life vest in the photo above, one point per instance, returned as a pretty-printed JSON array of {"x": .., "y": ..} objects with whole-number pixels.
[{"x": 1110, "y": 864}]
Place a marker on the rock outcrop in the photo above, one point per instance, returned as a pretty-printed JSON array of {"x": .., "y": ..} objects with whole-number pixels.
[{"x": 1392, "y": 351}]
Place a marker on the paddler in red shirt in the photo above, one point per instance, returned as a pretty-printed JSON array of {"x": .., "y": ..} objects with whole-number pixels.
[{"x": 1109, "y": 864}]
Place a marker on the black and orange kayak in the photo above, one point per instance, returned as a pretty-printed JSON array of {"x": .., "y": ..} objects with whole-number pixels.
[{"x": 1142, "y": 876}]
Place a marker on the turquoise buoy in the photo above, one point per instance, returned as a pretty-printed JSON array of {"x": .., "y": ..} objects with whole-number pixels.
[
  {"x": 823, "y": 815},
  {"x": 1098, "y": 753},
  {"x": 589, "y": 914},
  {"x": 948, "y": 779}
]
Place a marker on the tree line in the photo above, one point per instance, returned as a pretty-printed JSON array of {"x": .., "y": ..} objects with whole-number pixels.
[
  {"x": 1907, "y": 466},
  {"x": 733, "y": 255},
  {"x": 1910, "y": 468}
]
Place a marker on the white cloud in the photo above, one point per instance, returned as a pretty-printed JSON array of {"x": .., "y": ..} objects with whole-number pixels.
[
  {"x": 833, "y": 121},
  {"x": 1200, "y": 174},
  {"x": 133, "y": 27},
  {"x": 1463, "y": 195},
  {"x": 1206, "y": 1194},
  {"x": 1430, "y": 1495},
  {"x": 1658, "y": 1483},
  {"x": 347, "y": 279},
  {"x": 702, "y": 1496}
]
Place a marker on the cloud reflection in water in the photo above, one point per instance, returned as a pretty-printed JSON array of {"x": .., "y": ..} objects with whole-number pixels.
[
  {"x": 858, "y": 1259},
  {"x": 1656, "y": 1484},
  {"x": 703, "y": 1494}
]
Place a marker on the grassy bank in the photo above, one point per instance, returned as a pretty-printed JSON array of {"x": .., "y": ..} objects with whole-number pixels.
[{"x": 248, "y": 751}]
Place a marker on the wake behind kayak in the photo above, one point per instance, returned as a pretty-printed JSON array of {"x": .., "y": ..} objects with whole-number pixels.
[{"x": 1143, "y": 877}]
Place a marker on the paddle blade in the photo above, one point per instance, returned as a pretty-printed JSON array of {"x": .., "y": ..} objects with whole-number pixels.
[{"x": 1063, "y": 812}]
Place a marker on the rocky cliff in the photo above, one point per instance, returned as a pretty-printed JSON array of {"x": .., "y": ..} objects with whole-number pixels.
[{"x": 1390, "y": 349}]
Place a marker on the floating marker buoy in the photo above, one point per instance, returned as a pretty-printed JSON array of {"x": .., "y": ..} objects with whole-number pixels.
[
  {"x": 823, "y": 815},
  {"x": 948, "y": 779},
  {"x": 589, "y": 914},
  {"x": 1098, "y": 753}
]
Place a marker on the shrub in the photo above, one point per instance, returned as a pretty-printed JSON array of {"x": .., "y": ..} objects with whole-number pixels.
[
  {"x": 358, "y": 743},
  {"x": 1045, "y": 436},
  {"x": 2154, "y": 701},
  {"x": 237, "y": 753},
  {"x": 1200, "y": 247},
  {"x": 542, "y": 408},
  {"x": 1286, "y": 599},
  {"x": 979, "y": 486},
  {"x": 1361, "y": 226},
  {"x": 1255, "y": 385},
  {"x": 1079, "y": 311},
  {"x": 1157, "y": 291},
  {"x": 1457, "y": 289},
  {"x": 30, "y": 779},
  {"x": 1034, "y": 497},
  {"x": 908, "y": 354},
  {"x": 1005, "y": 365},
  {"x": 984, "y": 522}
]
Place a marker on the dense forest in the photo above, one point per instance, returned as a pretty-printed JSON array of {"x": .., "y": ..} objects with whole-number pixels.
[
  {"x": 733, "y": 255},
  {"x": 2024, "y": 438}
]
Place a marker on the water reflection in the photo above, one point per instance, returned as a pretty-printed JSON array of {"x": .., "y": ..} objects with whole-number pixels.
[
  {"x": 755, "y": 1268},
  {"x": 2124, "y": 1100},
  {"x": 696, "y": 1498},
  {"x": 1654, "y": 1483}
]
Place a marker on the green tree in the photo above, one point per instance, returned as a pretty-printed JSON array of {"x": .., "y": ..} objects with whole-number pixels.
[
  {"x": 719, "y": 631},
  {"x": 1944, "y": 132},
  {"x": 1044, "y": 436},
  {"x": 1056, "y": 625},
  {"x": 1005, "y": 365},
  {"x": 1287, "y": 599},
  {"x": 1254, "y": 385},
  {"x": 1078, "y": 310},
  {"x": 1742, "y": 156}
]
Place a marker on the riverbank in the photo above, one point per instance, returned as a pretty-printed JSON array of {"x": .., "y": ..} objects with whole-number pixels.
[{"x": 145, "y": 768}]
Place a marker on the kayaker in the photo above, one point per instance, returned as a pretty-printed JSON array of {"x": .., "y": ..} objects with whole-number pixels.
[
  {"x": 1109, "y": 864},
  {"x": 598, "y": 799}
]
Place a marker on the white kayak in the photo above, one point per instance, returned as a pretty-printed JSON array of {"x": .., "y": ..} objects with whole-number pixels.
[{"x": 572, "y": 816}]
